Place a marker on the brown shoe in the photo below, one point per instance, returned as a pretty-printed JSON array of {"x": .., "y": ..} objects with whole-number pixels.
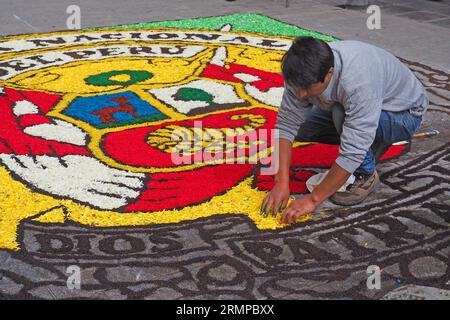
[{"x": 356, "y": 192}]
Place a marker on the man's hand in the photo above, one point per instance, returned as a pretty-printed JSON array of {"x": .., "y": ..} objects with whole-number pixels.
[
  {"x": 298, "y": 208},
  {"x": 276, "y": 200},
  {"x": 335, "y": 178}
]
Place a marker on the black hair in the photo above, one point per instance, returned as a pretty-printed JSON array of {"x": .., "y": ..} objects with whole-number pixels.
[{"x": 306, "y": 62}]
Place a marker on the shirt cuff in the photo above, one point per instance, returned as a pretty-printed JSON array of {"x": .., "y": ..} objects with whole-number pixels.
[
  {"x": 284, "y": 134},
  {"x": 347, "y": 164}
]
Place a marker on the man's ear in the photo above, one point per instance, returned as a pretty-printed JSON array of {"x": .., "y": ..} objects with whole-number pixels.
[{"x": 329, "y": 74}]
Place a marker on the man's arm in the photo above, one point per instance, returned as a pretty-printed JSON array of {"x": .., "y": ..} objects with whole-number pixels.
[
  {"x": 335, "y": 178},
  {"x": 285, "y": 155},
  {"x": 291, "y": 114},
  {"x": 358, "y": 133}
]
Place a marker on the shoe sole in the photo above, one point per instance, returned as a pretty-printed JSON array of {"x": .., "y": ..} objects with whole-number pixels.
[{"x": 350, "y": 204}]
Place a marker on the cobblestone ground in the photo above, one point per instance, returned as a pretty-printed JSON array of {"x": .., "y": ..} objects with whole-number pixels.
[{"x": 403, "y": 228}]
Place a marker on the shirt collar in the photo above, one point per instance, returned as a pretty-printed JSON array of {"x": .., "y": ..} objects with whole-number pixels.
[{"x": 330, "y": 91}]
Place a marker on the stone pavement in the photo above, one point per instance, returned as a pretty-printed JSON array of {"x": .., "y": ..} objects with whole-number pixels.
[
  {"x": 403, "y": 227},
  {"x": 433, "y": 12},
  {"x": 422, "y": 42}
]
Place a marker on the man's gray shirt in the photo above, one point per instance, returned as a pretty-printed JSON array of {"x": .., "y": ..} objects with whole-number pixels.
[{"x": 365, "y": 81}]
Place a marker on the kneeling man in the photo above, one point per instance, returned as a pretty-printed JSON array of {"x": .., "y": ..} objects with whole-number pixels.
[{"x": 348, "y": 93}]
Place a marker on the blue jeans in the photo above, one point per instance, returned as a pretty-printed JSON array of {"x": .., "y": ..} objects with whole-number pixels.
[{"x": 326, "y": 126}]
